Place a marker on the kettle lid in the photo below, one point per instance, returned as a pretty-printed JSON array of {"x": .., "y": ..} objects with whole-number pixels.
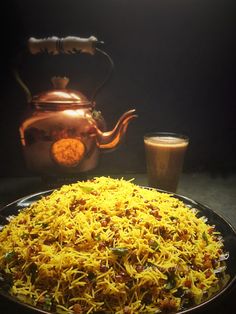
[{"x": 60, "y": 95}]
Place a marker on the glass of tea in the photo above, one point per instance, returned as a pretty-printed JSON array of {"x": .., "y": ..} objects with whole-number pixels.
[{"x": 164, "y": 159}]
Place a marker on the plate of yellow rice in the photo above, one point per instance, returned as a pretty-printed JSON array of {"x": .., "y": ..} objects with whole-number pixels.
[{"x": 110, "y": 246}]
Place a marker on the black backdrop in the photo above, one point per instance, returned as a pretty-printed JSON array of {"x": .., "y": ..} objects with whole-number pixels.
[{"x": 174, "y": 62}]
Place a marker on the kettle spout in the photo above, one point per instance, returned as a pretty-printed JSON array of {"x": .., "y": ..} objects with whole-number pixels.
[{"x": 111, "y": 139}]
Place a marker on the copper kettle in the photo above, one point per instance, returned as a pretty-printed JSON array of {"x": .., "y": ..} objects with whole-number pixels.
[{"x": 61, "y": 132}]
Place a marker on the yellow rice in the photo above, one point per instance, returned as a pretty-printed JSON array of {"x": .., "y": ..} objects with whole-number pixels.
[{"x": 110, "y": 246}]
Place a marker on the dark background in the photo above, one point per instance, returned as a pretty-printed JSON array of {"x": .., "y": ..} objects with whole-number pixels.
[{"x": 174, "y": 63}]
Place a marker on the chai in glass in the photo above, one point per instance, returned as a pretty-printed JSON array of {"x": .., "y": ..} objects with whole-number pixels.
[{"x": 164, "y": 159}]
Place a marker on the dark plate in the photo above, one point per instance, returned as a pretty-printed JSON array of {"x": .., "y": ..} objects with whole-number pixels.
[{"x": 227, "y": 231}]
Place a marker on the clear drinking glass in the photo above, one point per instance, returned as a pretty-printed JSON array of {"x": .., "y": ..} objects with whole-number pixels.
[{"x": 164, "y": 159}]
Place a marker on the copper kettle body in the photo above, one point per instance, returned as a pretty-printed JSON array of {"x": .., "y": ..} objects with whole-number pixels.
[{"x": 62, "y": 132}]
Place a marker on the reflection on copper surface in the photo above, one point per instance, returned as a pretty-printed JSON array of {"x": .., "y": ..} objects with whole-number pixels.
[
  {"x": 68, "y": 152},
  {"x": 73, "y": 113}
]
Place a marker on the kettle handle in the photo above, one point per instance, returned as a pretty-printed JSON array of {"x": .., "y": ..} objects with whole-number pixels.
[{"x": 70, "y": 44}]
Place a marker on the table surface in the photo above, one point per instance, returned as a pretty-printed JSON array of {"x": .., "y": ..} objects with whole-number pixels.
[{"x": 217, "y": 192}]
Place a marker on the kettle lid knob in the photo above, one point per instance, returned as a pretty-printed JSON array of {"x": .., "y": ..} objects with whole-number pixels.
[{"x": 60, "y": 82}]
